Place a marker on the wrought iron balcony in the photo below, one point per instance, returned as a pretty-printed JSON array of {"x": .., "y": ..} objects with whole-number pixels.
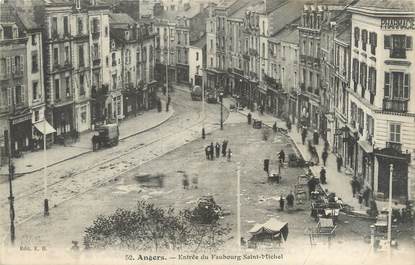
[
  {"x": 396, "y": 146},
  {"x": 395, "y": 105}
]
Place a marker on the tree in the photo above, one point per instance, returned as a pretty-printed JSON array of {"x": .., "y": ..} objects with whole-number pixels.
[{"x": 150, "y": 228}]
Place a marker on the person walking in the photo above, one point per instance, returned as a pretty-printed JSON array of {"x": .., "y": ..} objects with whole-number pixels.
[
  {"x": 324, "y": 156},
  {"x": 326, "y": 145},
  {"x": 217, "y": 150},
  {"x": 185, "y": 182},
  {"x": 290, "y": 200},
  {"x": 303, "y": 135},
  {"x": 249, "y": 116},
  {"x": 274, "y": 127},
  {"x": 339, "y": 161},
  {"x": 211, "y": 150},
  {"x": 282, "y": 203},
  {"x": 195, "y": 181},
  {"x": 229, "y": 155},
  {"x": 224, "y": 147},
  {"x": 207, "y": 152},
  {"x": 312, "y": 183},
  {"x": 355, "y": 185},
  {"x": 281, "y": 156},
  {"x": 314, "y": 155},
  {"x": 323, "y": 176}
]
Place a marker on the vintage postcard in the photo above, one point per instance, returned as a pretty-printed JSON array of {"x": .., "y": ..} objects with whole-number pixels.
[{"x": 207, "y": 132}]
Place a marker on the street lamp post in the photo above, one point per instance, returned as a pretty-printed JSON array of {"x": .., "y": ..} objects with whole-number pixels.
[
  {"x": 203, "y": 105},
  {"x": 390, "y": 210},
  {"x": 45, "y": 168},
  {"x": 221, "y": 110},
  {"x": 7, "y": 136}
]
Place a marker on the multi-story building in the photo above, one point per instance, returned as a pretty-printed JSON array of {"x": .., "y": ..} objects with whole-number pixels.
[
  {"x": 15, "y": 113},
  {"x": 381, "y": 104},
  {"x": 195, "y": 65},
  {"x": 310, "y": 99}
]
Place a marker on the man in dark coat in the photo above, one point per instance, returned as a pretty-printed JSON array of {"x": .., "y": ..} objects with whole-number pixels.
[
  {"x": 224, "y": 147},
  {"x": 281, "y": 156},
  {"x": 303, "y": 135},
  {"x": 324, "y": 156},
  {"x": 211, "y": 150},
  {"x": 290, "y": 200},
  {"x": 249, "y": 118},
  {"x": 274, "y": 127},
  {"x": 282, "y": 203},
  {"x": 339, "y": 162},
  {"x": 207, "y": 152},
  {"x": 217, "y": 149},
  {"x": 323, "y": 176},
  {"x": 312, "y": 183}
]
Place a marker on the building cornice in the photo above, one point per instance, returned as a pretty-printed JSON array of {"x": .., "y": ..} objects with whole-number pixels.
[{"x": 376, "y": 13}]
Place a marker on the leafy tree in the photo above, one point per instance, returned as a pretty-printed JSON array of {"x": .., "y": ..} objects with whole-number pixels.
[{"x": 150, "y": 228}]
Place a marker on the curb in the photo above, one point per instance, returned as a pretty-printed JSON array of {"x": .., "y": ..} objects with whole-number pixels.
[{"x": 19, "y": 174}]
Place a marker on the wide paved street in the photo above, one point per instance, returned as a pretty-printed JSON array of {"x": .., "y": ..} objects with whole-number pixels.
[{"x": 105, "y": 181}]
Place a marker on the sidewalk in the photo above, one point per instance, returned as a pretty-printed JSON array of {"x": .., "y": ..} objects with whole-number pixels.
[
  {"x": 33, "y": 161},
  {"x": 337, "y": 182}
]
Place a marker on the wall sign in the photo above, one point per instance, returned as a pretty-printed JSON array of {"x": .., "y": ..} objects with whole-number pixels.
[{"x": 397, "y": 23}]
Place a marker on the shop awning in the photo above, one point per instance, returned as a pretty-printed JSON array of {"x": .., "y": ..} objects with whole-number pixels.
[
  {"x": 366, "y": 146},
  {"x": 44, "y": 127}
]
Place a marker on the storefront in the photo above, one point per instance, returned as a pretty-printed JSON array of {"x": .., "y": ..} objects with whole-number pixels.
[
  {"x": 40, "y": 129},
  {"x": 365, "y": 157},
  {"x": 21, "y": 133},
  {"x": 400, "y": 161},
  {"x": 63, "y": 119},
  {"x": 182, "y": 73},
  {"x": 304, "y": 110}
]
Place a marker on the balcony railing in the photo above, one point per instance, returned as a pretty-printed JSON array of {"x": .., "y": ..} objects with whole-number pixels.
[
  {"x": 395, "y": 105},
  {"x": 396, "y": 146}
]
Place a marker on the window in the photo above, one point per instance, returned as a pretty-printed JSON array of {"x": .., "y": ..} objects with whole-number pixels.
[
  {"x": 35, "y": 90},
  {"x": 83, "y": 114},
  {"x": 397, "y": 85},
  {"x": 114, "y": 59},
  {"x": 35, "y": 66},
  {"x": 364, "y": 39},
  {"x": 3, "y": 66},
  {"x": 395, "y": 132},
  {"x": 373, "y": 41},
  {"x": 197, "y": 56},
  {"x": 56, "y": 56},
  {"x": 81, "y": 84},
  {"x": 81, "y": 55},
  {"x": 66, "y": 54},
  {"x": 106, "y": 31},
  {"x": 363, "y": 76},
  {"x": 353, "y": 113},
  {"x": 356, "y": 37},
  {"x": 370, "y": 125},
  {"x": 360, "y": 120},
  {"x": 372, "y": 80},
  {"x": 96, "y": 51},
  {"x": 263, "y": 50},
  {"x": 68, "y": 86},
  {"x": 57, "y": 89},
  {"x": 65, "y": 26},
  {"x": 107, "y": 60},
  {"x": 211, "y": 61},
  {"x": 355, "y": 73},
  {"x": 80, "y": 26},
  {"x": 18, "y": 94},
  {"x": 34, "y": 40},
  {"x": 36, "y": 115},
  {"x": 397, "y": 44},
  {"x": 54, "y": 30}
]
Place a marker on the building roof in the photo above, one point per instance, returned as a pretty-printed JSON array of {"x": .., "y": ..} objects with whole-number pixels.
[
  {"x": 284, "y": 15},
  {"x": 172, "y": 15},
  {"x": 289, "y": 33},
  {"x": 226, "y": 3},
  {"x": 200, "y": 43},
  {"x": 121, "y": 19},
  {"x": 343, "y": 27},
  {"x": 7, "y": 13},
  {"x": 386, "y": 5},
  {"x": 28, "y": 20}
]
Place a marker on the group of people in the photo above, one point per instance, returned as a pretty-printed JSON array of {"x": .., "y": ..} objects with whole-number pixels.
[
  {"x": 214, "y": 150},
  {"x": 186, "y": 182},
  {"x": 289, "y": 199}
]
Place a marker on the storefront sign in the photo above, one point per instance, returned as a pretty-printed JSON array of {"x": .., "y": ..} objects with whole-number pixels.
[
  {"x": 21, "y": 119},
  {"x": 402, "y": 23}
]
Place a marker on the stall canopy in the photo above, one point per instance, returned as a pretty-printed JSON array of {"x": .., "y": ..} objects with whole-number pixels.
[
  {"x": 271, "y": 227},
  {"x": 44, "y": 127}
]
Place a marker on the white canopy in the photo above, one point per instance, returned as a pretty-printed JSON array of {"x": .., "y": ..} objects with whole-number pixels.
[
  {"x": 44, "y": 127},
  {"x": 271, "y": 226}
]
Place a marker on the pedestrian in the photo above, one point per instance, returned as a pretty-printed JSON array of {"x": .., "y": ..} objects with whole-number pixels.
[
  {"x": 249, "y": 117},
  {"x": 217, "y": 149},
  {"x": 354, "y": 182},
  {"x": 290, "y": 200},
  {"x": 282, "y": 203},
  {"x": 303, "y": 135},
  {"x": 168, "y": 100},
  {"x": 289, "y": 125},
  {"x": 326, "y": 145},
  {"x": 274, "y": 127},
  {"x": 314, "y": 155},
  {"x": 324, "y": 156},
  {"x": 224, "y": 146},
  {"x": 211, "y": 150},
  {"x": 323, "y": 176},
  {"x": 207, "y": 152},
  {"x": 311, "y": 185},
  {"x": 339, "y": 162},
  {"x": 261, "y": 108},
  {"x": 315, "y": 137},
  {"x": 185, "y": 182},
  {"x": 281, "y": 156},
  {"x": 366, "y": 195},
  {"x": 229, "y": 155}
]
